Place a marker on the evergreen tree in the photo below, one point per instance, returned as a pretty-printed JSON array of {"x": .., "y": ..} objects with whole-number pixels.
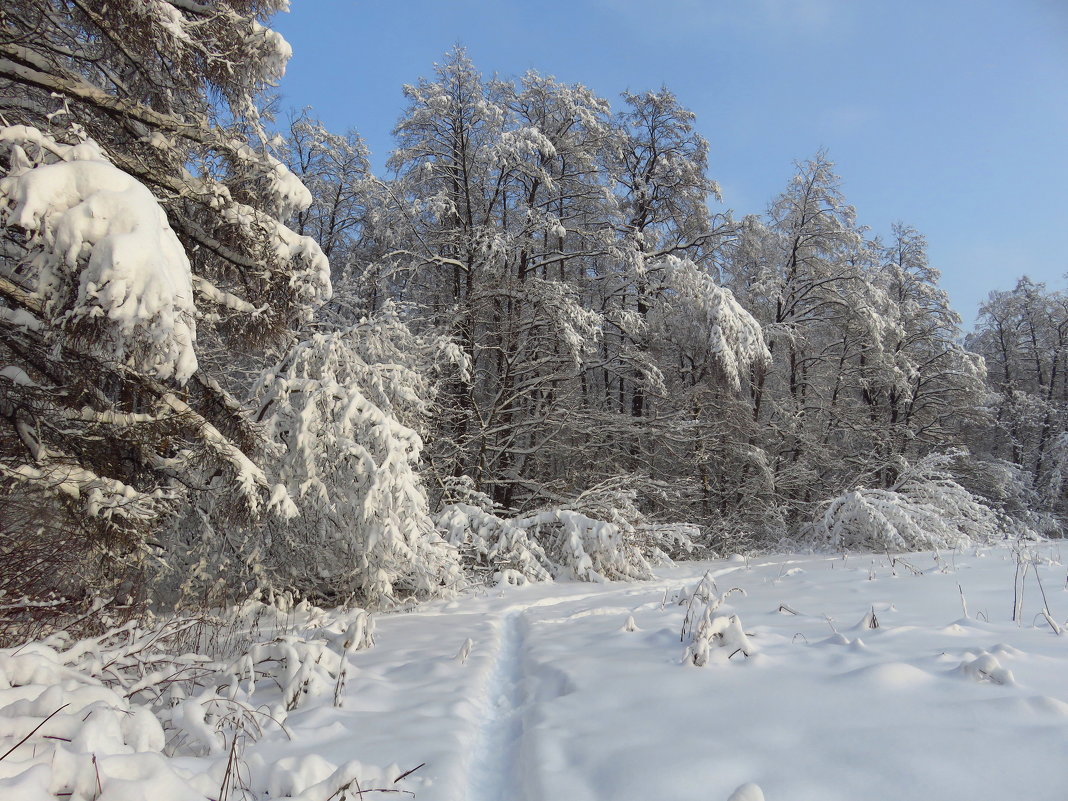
[{"x": 142, "y": 245}]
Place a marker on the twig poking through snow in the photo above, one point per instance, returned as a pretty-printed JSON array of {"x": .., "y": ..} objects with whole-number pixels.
[
  {"x": 408, "y": 773},
  {"x": 32, "y": 732},
  {"x": 1045, "y": 603}
]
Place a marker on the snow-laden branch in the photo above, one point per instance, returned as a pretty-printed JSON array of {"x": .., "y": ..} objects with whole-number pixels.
[{"x": 104, "y": 251}]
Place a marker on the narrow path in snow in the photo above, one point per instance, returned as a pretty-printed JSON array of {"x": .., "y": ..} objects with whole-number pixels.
[
  {"x": 494, "y": 771},
  {"x": 495, "y": 763}
]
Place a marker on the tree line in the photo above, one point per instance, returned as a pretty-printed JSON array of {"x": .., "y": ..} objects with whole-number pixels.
[{"x": 534, "y": 346}]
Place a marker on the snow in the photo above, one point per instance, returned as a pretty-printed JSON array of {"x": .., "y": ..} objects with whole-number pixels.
[
  {"x": 20, "y": 318},
  {"x": 16, "y": 375},
  {"x": 747, "y": 792},
  {"x": 273, "y": 49},
  {"x": 103, "y": 249},
  {"x": 867, "y": 677},
  {"x": 102, "y": 496}
]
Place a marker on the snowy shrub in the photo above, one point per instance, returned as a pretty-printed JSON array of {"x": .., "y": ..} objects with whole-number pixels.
[
  {"x": 79, "y": 717},
  {"x": 925, "y": 508},
  {"x": 716, "y": 631},
  {"x": 493, "y": 545},
  {"x": 301, "y": 667},
  {"x": 985, "y": 667},
  {"x": 585, "y": 548},
  {"x": 615, "y": 501},
  {"x": 601, "y": 536},
  {"x": 361, "y": 528},
  {"x": 462, "y": 490},
  {"x": 708, "y": 629}
]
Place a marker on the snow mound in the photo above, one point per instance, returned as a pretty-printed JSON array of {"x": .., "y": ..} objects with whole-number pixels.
[
  {"x": 890, "y": 676},
  {"x": 986, "y": 667},
  {"x": 747, "y": 792}
]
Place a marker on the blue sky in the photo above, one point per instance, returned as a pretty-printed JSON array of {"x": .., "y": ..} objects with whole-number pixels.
[{"x": 949, "y": 115}]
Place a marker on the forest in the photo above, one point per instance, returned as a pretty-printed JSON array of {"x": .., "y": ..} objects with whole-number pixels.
[
  {"x": 237, "y": 364},
  {"x": 456, "y": 481}
]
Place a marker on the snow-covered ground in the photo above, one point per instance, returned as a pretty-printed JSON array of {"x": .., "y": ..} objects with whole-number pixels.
[{"x": 865, "y": 680}]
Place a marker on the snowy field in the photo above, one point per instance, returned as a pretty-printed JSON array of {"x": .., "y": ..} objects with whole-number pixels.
[{"x": 864, "y": 680}]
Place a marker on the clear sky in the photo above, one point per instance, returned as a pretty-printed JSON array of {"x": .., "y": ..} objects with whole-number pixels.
[{"x": 948, "y": 115}]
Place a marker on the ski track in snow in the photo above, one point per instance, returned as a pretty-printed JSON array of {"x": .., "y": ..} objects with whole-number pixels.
[
  {"x": 495, "y": 760},
  {"x": 560, "y": 702}
]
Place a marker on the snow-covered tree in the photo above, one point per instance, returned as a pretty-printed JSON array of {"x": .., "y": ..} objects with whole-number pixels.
[
  {"x": 707, "y": 347},
  {"x": 663, "y": 190},
  {"x": 1023, "y": 336},
  {"x": 168, "y": 91},
  {"x": 336, "y": 171},
  {"x": 867, "y": 371},
  {"x": 799, "y": 273},
  {"x": 142, "y": 240},
  {"x": 920, "y": 385},
  {"x": 556, "y": 244},
  {"x": 703, "y": 325},
  {"x": 486, "y": 225}
]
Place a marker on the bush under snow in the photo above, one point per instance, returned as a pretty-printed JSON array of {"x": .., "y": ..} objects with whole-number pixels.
[
  {"x": 342, "y": 407},
  {"x": 596, "y": 541},
  {"x": 924, "y": 509},
  {"x": 104, "y": 719}
]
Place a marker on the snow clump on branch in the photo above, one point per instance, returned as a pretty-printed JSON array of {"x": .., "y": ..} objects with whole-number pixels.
[{"x": 104, "y": 253}]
